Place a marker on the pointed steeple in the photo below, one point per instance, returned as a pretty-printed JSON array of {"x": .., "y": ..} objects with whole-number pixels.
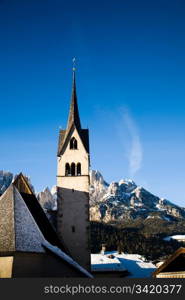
[
  {"x": 74, "y": 118},
  {"x": 73, "y": 121}
]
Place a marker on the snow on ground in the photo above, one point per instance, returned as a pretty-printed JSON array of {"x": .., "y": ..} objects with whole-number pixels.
[
  {"x": 159, "y": 207},
  {"x": 153, "y": 217},
  {"x": 133, "y": 263},
  {"x": 138, "y": 204},
  {"x": 180, "y": 238},
  {"x": 166, "y": 219}
]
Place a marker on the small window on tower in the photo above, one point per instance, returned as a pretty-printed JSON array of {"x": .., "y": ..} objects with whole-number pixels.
[
  {"x": 73, "y": 143},
  {"x": 67, "y": 170},
  {"x": 73, "y": 229},
  {"x": 78, "y": 169}
]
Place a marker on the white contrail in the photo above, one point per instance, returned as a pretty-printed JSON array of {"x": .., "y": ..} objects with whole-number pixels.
[{"x": 135, "y": 152}]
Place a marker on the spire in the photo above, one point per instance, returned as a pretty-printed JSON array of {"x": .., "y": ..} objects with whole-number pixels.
[{"x": 73, "y": 112}]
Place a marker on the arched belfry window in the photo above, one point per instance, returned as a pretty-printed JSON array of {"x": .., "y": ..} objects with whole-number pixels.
[
  {"x": 73, "y": 173},
  {"x": 73, "y": 143},
  {"x": 78, "y": 169},
  {"x": 67, "y": 170}
]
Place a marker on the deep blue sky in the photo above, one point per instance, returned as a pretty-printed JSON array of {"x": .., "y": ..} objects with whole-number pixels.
[{"x": 130, "y": 84}]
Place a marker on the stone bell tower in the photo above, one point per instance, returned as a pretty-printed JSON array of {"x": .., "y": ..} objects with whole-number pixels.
[{"x": 73, "y": 185}]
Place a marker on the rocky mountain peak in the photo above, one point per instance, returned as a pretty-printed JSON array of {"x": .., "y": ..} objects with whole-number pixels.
[
  {"x": 97, "y": 179},
  {"x": 5, "y": 180},
  {"x": 125, "y": 200},
  {"x": 112, "y": 202},
  {"x": 46, "y": 199}
]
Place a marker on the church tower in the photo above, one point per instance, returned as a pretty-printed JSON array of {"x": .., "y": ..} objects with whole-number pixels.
[{"x": 73, "y": 224}]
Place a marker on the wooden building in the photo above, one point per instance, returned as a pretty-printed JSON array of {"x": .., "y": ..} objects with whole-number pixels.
[{"x": 173, "y": 267}]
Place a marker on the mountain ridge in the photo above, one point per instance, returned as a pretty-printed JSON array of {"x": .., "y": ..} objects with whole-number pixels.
[
  {"x": 125, "y": 200},
  {"x": 110, "y": 203}
]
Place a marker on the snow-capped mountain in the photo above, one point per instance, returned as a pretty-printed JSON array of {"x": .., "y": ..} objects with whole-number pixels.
[
  {"x": 5, "y": 180},
  {"x": 125, "y": 200},
  {"x": 119, "y": 201},
  {"x": 48, "y": 199},
  {"x": 98, "y": 187},
  {"x": 112, "y": 202}
]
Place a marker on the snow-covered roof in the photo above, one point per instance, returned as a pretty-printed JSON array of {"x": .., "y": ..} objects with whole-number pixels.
[
  {"x": 19, "y": 230},
  {"x": 21, "y": 225},
  {"x": 66, "y": 258},
  {"x": 179, "y": 237},
  {"x": 133, "y": 263},
  {"x": 102, "y": 262},
  {"x": 136, "y": 265}
]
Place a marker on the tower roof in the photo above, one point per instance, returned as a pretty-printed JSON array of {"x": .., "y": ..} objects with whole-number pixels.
[
  {"x": 74, "y": 118},
  {"x": 73, "y": 122}
]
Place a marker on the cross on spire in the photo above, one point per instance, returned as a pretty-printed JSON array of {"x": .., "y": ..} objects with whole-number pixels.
[
  {"x": 74, "y": 64},
  {"x": 74, "y": 118}
]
